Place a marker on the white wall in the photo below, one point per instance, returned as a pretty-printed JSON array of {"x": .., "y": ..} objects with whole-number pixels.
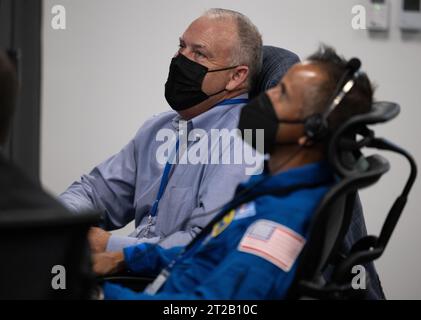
[{"x": 104, "y": 75}]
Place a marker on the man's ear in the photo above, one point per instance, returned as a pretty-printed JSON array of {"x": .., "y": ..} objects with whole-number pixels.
[
  {"x": 239, "y": 77},
  {"x": 305, "y": 141}
]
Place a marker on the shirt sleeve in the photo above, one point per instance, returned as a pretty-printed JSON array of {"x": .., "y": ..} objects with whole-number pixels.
[
  {"x": 109, "y": 188},
  {"x": 179, "y": 238},
  {"x": 118, "y": 243},
  {"x": 149, "y": 259}
]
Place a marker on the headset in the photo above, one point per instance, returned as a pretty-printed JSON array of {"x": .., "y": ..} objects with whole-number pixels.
[{"x": 316, "y": 126}]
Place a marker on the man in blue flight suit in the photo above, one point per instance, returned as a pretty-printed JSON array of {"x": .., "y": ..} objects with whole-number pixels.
[{"x": 249, "y": 251}]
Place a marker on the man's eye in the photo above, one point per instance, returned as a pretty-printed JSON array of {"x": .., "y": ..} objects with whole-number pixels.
[{"x": 199, "y": 54}]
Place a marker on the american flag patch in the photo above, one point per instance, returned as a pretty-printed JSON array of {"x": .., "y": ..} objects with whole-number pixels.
[{"x": 273, "y": 242}]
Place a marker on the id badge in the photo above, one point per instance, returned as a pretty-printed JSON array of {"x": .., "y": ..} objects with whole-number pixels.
[{"x": 157, "y": 283}]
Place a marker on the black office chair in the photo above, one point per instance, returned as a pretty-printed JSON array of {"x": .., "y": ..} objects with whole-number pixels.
[
  {"x": 332, "y": 218},
  {"x": 276, "y": 62},
  {"x": 33, "y": 241}
]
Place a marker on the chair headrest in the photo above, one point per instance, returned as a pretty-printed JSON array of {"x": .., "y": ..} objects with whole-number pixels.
[
  {"x": 276, "y": 62},
  {"x": 343, "y": 150},
  {"x": 381, "y": 111}
]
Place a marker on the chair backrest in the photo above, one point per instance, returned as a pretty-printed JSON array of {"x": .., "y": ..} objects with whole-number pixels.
[
  {"x": 330, "y": 224},
  {"x": 32, "y": 242},
  {"x": 276, "y": 62}
]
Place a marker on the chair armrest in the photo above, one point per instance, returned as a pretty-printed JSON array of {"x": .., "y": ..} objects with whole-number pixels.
[{"x": 135, "y": 283}]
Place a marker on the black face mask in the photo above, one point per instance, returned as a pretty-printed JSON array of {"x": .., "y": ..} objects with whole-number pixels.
[
  {"x": 260, "y": 114},
  {"x": 183, "y": 88}
]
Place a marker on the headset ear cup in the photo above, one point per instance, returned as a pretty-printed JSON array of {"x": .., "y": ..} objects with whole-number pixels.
[{"x": 315, "y": 127}]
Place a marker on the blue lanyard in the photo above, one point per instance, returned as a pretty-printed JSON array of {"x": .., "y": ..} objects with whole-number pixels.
[
  {"x": 168, "y": 165},
  {"x": 232, "y": 101},
  {"x": 164, "y": 180}
]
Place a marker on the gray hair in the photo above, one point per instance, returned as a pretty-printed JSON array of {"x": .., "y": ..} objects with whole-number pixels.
[{"x": 248, "y": 50}]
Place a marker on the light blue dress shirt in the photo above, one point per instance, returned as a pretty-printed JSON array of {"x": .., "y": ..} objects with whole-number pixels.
[{"x": 125, "y": 186}]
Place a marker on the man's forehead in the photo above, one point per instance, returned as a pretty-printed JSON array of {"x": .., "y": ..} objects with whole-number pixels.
[
  {"x": 210, "y": 32},
  {"x": 305, "y": 71}
]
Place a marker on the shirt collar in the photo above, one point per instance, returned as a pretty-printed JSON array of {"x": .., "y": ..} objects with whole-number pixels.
[{"x": 207, "y": 119}]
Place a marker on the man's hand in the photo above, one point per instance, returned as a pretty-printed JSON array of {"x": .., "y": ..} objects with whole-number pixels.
[
  {"x": 98, "y": 239},
  {"x": 108, "y": 262}
]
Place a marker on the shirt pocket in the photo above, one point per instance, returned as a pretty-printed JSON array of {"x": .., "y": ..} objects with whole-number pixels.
[
  {"x": 144, "y": 199},
  {"x": 178, "y": 206}
]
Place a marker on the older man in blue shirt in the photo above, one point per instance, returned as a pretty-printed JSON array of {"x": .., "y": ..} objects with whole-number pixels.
[{"x": 208, "y": 83}]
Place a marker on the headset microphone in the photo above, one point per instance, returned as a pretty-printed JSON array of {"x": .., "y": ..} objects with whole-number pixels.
[{"x": 353, "y": 65}]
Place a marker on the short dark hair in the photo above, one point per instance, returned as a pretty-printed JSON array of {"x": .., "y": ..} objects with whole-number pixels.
[
  {"x": 8, "y": 92},
  {"x": 358, "y": 100}
]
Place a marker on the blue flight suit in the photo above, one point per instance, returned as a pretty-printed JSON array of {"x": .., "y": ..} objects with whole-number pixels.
[{"x": 249, "y": 253}]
